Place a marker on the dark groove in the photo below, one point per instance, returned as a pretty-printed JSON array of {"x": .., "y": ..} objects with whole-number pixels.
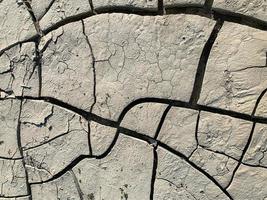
[
  {"x": 194, "y": 10},
  {"x": 35, "y": 21},
  {"x": 65, "y": 170},
  {"x": 38, "y": 65},
  {"x": 29, "y": 191},
  {"x": 7, "y": 158},
  {"x": 154, "y": 172},
  {"x": 77, "y": 184},
  {"x": 258, "y": 101},
  {"x": 175, "y": 103},
  {"x": 166, "y": 147},
  {"x": 208, "y": 4},
  {"x": 94, "y": 84},
  {"x": 161, "y": 10},
  {"x": 14, "y": 197},
  {"x": 163, "y": 117},
  {"x": 46, "y": 10},
  {"x": 199, "y": 77},
  {"x": 242, "y": 156}
]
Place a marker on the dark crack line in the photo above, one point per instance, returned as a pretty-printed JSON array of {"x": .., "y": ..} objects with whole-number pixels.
[
  {"x": 242, "y": 156},
  {"x": 14, "y": 197},
  {"x": 192, "y": 164},
  {"x": 21, "y": 151},
  {"x": 34, "y": 19},
  {"x": 174, "y": 103},
  {"x": 208, "y": 4},
  {"x": 163, "y": 117},
  {"x": 161, "y": 10},
  {"x": 70, "y": 166},
  {"x": 154, "y": 172},
  {"x": 46, "y": 10},
  {"x": 199, "y": 77},
  {"x": 7, "y": 158},
  {"x": 76, "y": 182},
  {"x": 258, "y": 102},
  {"x": 217, "y": 14},
  {"x": 94, "y": 84}
]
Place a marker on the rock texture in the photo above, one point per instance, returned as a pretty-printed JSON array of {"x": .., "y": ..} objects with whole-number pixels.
[{"x": 133, "y": 99}]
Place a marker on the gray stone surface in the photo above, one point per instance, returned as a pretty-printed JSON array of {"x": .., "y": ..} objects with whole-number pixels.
[
  {"x": 178, "y": 130},
  {"x": 123, "y": 174},
  {"x": 129, "y": 100},
  {"x": 16, "y": 23},
  {"x": 236, "y": 69},
  {"x": 12, "y": 178},
  {"x": 252, "y": 8},
  {"x": 137, "y": 4},
  {"x": 223, "y": 133}
]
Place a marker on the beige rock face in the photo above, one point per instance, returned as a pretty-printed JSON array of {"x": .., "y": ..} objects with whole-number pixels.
[
  {"x": 176, "y": 179},
  {"x": 139, "y": 61},
  {"x": 178, "y": 130},
  {"x": 253, "y": 8},
  {"x": 137, "y": 4},
  {"x": 257, "y": 149},
  {"x": 223, "y": 133},
  {"x": 249, "y": 183},
  {"x": 150, "y": 113},
  {"x": 133, "y": 100},
  {"x": 18, "y": 71},
  {"x": 170, "y": 3},
  {"x": 235, "y": 74},
  {"x": 9, "y": 111},
  {"x": 12, "y": 178},
  {"x": 16, "y": 23},
  {"x": 123, "y": 174}
]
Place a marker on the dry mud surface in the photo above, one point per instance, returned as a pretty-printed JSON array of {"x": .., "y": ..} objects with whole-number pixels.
[{"x": 133, "y": 99}]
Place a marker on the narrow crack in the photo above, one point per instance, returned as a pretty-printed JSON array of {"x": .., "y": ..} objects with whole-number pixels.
[
  {"x": 217, "y": 14},
  {"x": 21, "y": 151},
  {"x": 77, "y": 185},
  {"x": 161, "y": 10},
  {"x": 242, "y": 156},
  {"x": 208, "y": 4},
  {"x": 94, "y": 84},
  {"x": 154, "y": 172},
  {"x": 34, "y": 19},
  {"x": 163, "y": 117},
  {"x": 199, "y": 77}
]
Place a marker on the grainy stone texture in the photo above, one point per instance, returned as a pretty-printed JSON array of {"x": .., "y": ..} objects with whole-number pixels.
[
  {"x": 133, "y": 99},
  {"x": 253, "y": 8},
  {"x": 236, "y": 69}
]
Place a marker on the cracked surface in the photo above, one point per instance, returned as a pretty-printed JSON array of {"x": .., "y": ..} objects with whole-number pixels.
[{"x": 105, "y": 99}]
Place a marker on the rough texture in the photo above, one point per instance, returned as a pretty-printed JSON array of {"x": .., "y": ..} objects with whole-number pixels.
[
  {"x": 133, "y": 99},
  {"x": 253, "y": 8}
]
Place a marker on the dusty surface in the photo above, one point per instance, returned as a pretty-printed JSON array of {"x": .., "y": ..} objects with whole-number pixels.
[{"x": 129, "y": 100}]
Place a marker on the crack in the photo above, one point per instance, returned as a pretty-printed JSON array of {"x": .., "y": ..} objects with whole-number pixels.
[
  {"x": 21, "y": 150},
  {"x": 217, "y": 14},
  {"x": 15, "y": 197},
  {"x": 161, "y": 9},
  {"x": 35, "y": 21},
  {"x": 38, "y": 64},
  {"x": 208, "y": 4},
  {"x": 163, "y": 117},
  {"x": 258, "y": 102},
  {"x": 46, "y": 10},
  {"x": 77, "y": 185},
  {"x": 115, "y": 124},
  {"x": 154, "y": 172},
  {"x": 7, "y": 158},
  {"x": 94, "y": 85},
  {"x": 199, "y": 77},
  {"x": 186, "y": 159},
  {"x": 242, "y": 156}
]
